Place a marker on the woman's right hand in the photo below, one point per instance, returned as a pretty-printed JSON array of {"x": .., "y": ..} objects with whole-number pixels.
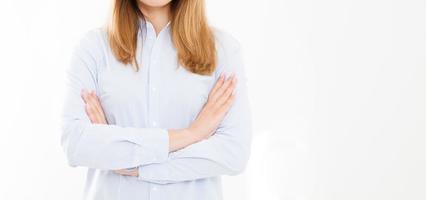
[{"x": 220, "y": 100}]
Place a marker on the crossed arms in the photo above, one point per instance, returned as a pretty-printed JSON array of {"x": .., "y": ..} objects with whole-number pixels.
[{"x": 216, "y": 143}]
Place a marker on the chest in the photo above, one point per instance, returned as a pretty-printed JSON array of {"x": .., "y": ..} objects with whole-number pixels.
[{"x": 161, "y": 91}]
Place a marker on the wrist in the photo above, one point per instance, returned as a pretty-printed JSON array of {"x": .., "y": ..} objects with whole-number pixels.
[
  {"x": 181, "y": 138},
  {"x": 192, "y": 134}
]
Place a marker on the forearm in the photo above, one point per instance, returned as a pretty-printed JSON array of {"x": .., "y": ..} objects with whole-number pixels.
[
  {"x": 112, "y": 147},
  {"x": 225, "y": 153},
  {"x": 181, "y": 138},
  {"x": 221, "y": 154}
]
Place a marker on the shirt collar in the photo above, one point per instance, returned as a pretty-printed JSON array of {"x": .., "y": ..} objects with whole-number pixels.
[{"x": 147, "y": 28}]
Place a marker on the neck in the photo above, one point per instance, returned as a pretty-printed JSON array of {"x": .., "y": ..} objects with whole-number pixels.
[{"x": 158, "y": 16}]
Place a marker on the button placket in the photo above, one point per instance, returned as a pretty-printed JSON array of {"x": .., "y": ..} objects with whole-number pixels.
[
  {"x": 153, "y": 78},
  {"x": 155, "y": 192}
]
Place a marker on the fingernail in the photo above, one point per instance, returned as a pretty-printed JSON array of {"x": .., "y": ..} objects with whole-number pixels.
[{"x": 83, "y": 93}]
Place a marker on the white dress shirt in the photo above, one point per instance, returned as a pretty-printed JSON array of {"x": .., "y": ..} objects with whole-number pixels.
[{"x": 140, "y": 107}]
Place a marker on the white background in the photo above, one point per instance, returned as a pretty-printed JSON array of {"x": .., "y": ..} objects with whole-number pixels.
[{"x": 338, "y": 91}]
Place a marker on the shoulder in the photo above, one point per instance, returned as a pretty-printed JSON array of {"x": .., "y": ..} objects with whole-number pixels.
[
  {"x": 225, "y": 42},
  {"x": 92, "y": 39},
  {"x": 91, "y": 47},
  {"x": 229, "y": 52}
]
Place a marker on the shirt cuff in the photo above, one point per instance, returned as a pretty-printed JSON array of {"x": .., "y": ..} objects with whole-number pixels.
[
  {"x": 152, "y": 146},
  {"x": 155, "y": 173}
]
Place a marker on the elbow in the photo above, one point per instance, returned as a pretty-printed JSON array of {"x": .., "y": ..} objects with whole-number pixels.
[
  {"x": 237, "y": 167},
  {"x": 69, "y": 154},
  {"x": 68, "y": 145},
  {"x": 70, "y": 157},
  {"x": 237, "y": 170},
  {"x": 239, "y": 163},
  {"x": 238, "y": 156},
  {"x": 70, "y": 161}
]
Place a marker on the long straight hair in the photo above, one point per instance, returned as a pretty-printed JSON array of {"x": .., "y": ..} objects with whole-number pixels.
[{"x": 191, "y": 35}]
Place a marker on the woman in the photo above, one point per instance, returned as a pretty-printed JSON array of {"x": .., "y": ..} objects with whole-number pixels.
[{"x": 153, "y": 107}]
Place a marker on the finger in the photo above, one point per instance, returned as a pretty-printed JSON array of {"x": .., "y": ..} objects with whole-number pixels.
[
  {"x": 94, "y": 114},
  {"x": 227, "y": 105},
  {"x": 91, "y": 98},
  {"x": 99, "y": 108},
  {"x": 126, "y": 172},
  {"x": 218, "y": 83},
  {"x": 91, "y": 110},
  {"x": 90, "y": 114},
  {"x": 225, "y": 91},
  {"x": 90, "y": 107},
  {"x": 97, "y": 102},
  {"x": 222, "y": 99},
  {"x": 87, "y": 97},
  {"x": 96, "y": 105},
  {"x": 83, "y": 95},
  {"x": 222, "y": 89},
  {"x": 95, "y": 97},
  {"x": 121, "y": 172},
  {"x": 98, "y": 113}
]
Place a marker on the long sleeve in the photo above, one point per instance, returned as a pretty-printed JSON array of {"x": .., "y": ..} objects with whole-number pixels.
[
  {"x": 224, "y": 153},
  {"x": 102, "y": 146}
]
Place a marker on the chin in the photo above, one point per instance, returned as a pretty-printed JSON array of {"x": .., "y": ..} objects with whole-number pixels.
[{"x": 155, "y": 3}]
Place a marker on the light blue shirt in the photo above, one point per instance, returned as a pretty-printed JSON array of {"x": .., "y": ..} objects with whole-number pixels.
[{"x": 140, "y": 107}]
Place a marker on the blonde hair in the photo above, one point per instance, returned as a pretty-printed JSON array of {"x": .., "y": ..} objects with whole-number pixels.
[{"x": 190, "y": 32}]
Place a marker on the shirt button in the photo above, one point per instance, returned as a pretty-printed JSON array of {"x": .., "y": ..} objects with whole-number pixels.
[
  {"x": 154, "y": 89},
  {"x": 154, "y": 188},
  {"x": 154, "y": 123}
]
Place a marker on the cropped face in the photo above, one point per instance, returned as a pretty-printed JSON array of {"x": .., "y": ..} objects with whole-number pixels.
[{"x": 155, "y": 3}]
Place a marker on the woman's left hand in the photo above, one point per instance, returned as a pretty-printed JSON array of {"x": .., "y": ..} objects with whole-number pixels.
[{"x": 97, "y": 116}]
